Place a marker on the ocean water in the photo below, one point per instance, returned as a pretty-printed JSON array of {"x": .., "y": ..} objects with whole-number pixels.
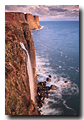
[{"x": 57, "y": 54}]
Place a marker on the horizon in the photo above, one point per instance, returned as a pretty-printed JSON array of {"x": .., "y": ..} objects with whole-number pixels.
[
  {"x": 48, "y": 12},
  {"x": 59, "y": 21}
]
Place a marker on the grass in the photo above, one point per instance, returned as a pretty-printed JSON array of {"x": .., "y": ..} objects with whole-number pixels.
[{"x": 17, "y": 100}]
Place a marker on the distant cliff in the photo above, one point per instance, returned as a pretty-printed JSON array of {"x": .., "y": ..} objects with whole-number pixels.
[
  {"x": 32, "y": 20},
  {"x": 17, "y": 91}
]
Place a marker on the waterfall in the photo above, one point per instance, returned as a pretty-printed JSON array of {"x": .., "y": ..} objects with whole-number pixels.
[{"x": 30, "y": 73}]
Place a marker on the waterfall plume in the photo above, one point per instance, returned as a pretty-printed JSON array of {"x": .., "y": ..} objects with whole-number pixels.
[{"x": 30, "y": 73}]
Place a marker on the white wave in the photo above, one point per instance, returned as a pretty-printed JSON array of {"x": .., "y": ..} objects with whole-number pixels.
[
  {"x": 32, "y": 31},
  {"x": 68, "y": 107},
  {"x": 72, "y": 67},
  {"x": 71, "y": 89},
  {"x": 66, "y": 56},
  {"x": 59, "y": 61},
  {"x": 46, "y": 110},
  {"x": 55, "y": 96},
  {"x": 42, "y": 27},
  {"x": 77, "y": 70},
  {"x": 61, "y": 53},
  {"x": 60, "y": 66},
  {"x": 64, "y": 63}
]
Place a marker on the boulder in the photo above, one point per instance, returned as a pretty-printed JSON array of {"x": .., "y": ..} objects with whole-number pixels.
[
  {"x": 50, "y": 76},
  {"x": 53, "y": 87},
  {"x": 48, "y": 79},
  {"x": 66, "y": 81},
  {"x": 42, "y": 83}
]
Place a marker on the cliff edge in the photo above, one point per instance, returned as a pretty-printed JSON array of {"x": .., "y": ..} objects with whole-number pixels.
[
  {"x": 17, "y": 90},
  {"x": 33, "y": 21},
  {"x": 30, "y": 19}
]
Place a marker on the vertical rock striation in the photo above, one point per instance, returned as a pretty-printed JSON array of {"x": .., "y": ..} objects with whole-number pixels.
[
  {"x": 33, "y": 21},
  {"x": 17, "y": 91}
]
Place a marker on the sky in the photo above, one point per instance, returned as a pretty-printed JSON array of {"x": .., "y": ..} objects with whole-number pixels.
[{"x": 48, "y": 12}]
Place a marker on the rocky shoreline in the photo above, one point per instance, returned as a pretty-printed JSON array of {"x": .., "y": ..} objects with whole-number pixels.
[{"x": 43, "y": 91}]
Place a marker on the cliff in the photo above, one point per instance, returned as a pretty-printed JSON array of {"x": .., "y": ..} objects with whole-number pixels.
[
  {"x": 33, "y": 21},
  {"x": 17, "y": 91}
]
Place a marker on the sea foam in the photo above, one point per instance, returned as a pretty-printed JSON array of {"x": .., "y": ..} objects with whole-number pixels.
[{"x": 55, "y": 96}]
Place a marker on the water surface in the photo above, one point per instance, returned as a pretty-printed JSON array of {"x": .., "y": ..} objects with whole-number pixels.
[{"x": 57, "y": 54}]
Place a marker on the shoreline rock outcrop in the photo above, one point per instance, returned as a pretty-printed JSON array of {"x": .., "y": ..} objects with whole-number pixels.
[{"x": 43, "y": 92}]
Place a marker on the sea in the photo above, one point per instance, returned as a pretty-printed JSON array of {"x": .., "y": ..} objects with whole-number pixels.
[{"x": 57, "y": 54}]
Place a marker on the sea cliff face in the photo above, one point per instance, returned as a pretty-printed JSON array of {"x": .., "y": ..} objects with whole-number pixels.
[
  {"x": 17, "y": 91},
  {"x": 33, "y": 21},
  {"x": 30, "y": 19}
]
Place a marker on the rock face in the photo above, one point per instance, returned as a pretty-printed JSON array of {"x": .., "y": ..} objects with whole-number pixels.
[
  {"x": 33, "y": 21},
  {"x": 42, "y": 92},
  {"x": 14, "y": 16},
  {"x": 17, "y": 91}
]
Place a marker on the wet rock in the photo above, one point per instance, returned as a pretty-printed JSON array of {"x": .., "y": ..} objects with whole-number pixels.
[
  {"x": 47, "y": 88},
  {"x": 50, "y": 76},
  {"x": 53, "y": 87},
  {"x": 42, "y": 83},
  {"x": 39, "y": 93},
  {"x": 66, "y": 81},
  {"x": 43, "y": 92},
  {"x": 48, "y": 79}
]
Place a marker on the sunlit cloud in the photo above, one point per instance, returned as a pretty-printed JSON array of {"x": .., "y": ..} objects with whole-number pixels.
[{"x": 48, "y": 12}]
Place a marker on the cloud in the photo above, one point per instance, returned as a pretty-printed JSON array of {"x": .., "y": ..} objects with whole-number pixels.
[
  {"x": 47, "y": 11},
  {"x": 12, "y": 8},
  {"x": 55, "y": 8},
  {"x": 21, "y": 6},
  {"x": 58, "y": 10},
  {"x": 41, "y": 10}
]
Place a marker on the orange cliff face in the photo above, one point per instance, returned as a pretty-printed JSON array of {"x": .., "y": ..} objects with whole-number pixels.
[
  {"x": 36, "y": 18},
  {"x": 14, "y": 16},
  {"x": 33, "y": 21},
  {"x": 17, "y": 90}
]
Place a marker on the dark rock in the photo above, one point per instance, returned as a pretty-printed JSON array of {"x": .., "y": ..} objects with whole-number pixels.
[
  {"x": 47, "y": 88},
  {"x": 53, "y": 87},
  {"x": 50, "y": 76},
  {"x": 67, "y": 81},
  {"x": 42, "y": 83},
  {"x": 43, "y": 92},
  {"x": 48, "y": 79}
]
